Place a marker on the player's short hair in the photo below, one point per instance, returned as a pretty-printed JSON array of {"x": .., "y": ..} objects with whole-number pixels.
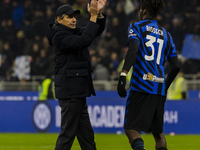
[{"x": 154, "y": 7}]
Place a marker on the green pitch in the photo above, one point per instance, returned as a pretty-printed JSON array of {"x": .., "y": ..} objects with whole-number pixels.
[{"x": 38, "y": 141}]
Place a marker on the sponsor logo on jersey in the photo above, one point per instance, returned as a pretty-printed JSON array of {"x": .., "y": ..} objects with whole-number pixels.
[
  {"x": 131, "y": 33},
  {"x": 153, "y": 78},
  {"x": 154, "y": 30}
]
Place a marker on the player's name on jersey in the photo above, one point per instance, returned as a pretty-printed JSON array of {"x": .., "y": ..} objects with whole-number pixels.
[
  {"x": 153, "y": 78},
  {"x": 154, "y": 30}
]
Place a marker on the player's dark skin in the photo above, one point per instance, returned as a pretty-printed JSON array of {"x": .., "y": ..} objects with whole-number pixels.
[{"x": 134, "y": 134}]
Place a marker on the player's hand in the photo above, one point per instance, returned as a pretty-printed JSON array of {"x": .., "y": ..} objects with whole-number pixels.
[{"x": 121, "y": 86}]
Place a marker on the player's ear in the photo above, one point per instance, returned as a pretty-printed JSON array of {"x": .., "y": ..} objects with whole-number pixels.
[{"x": 144, "y": 12}]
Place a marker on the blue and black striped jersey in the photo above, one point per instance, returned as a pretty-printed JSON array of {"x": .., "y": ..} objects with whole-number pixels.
[{"x": 156, "y": 46}]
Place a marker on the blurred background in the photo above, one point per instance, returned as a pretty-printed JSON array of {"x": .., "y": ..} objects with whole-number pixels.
[
  {"x": 26, "y": 61},
  {"x": 26, "y": 57}
]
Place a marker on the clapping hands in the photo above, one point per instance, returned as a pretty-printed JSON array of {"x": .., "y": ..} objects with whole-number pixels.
[{"x": 99, "y": 5}]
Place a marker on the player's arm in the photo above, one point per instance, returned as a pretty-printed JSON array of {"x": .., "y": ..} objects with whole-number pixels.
[
  {"x": 129, "y": 61},
  {"x": 184, "y": 95},
  {"x": 174, "y": 69},
  {"x": 184, "y": 90},
  {"x": 174, "y": 65},
  {"x": 130, "y": 56}
]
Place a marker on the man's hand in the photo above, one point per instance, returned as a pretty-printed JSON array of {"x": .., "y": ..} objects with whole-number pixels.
[
  {"x": 121, "y": 86},
  {"x": 93, "y": 8},
  {"x": 101, "y": 4}
]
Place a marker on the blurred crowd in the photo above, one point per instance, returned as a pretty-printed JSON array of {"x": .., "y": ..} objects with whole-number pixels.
[{"x": 23, "y": 26}]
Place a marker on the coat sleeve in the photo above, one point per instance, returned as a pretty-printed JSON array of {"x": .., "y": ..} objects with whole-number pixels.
[
  {"x": 102, "y": 23},
  {"x": 73, "y": 42}
]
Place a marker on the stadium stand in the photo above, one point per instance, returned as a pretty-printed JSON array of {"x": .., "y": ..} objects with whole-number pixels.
[{"x": 25, "y": 55}]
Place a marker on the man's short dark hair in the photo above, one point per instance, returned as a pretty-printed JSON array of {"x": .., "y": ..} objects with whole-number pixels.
[{"x": 154, "y": 7}]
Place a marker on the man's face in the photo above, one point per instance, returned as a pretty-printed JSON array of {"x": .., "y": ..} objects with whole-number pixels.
[{"x": 68, "y": 21}]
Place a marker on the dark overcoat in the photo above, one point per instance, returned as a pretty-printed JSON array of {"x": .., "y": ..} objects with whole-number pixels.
[{"x": 73, "y": 73}]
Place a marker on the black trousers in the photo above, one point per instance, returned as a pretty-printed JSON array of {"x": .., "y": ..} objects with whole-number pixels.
[{"x": 75, "y": 122}]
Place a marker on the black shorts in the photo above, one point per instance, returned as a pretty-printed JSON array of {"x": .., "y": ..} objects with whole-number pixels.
[{"x": 144, "y": 112}]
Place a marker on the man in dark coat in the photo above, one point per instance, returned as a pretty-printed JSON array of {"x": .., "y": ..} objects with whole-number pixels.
[{"x": 73, "y": 81}]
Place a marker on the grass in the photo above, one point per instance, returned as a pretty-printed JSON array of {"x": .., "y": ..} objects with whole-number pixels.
[{"x": 38, "y": 141}]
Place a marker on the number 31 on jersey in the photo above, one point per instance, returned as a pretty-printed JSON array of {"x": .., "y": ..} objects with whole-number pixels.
[{"x": 152, "y": 40}]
